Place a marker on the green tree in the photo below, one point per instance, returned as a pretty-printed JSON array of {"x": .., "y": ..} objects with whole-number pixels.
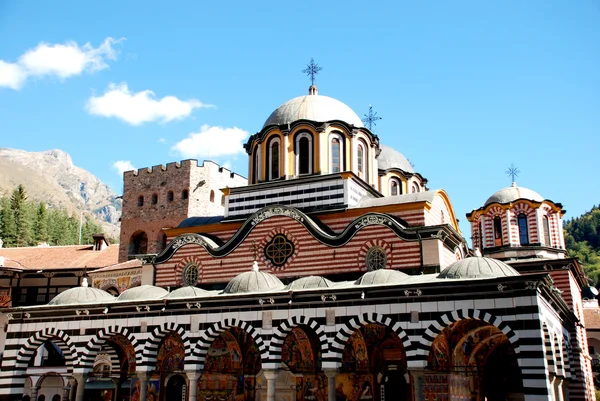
[
  {"x": 8, "y": 228},
  {"x": 41, "y": 224},
  {"x": 22, "y": 217}
]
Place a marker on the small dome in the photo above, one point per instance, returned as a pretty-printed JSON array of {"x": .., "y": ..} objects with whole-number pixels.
[
  {"x": 512, "y": 193},
  {"x": 478, "y": 267},
  {"x": 253, "y": 281},
  {"x": 382, "y": 276},
  {"x": 142, "y": 292},
  {"x": 81, "y": 295},
  {"x": 315, "y": 108},
  {"x": 187, "y": 292},
  {"x": 310, "y": 282},
  {"x": 391, "y": 158}
]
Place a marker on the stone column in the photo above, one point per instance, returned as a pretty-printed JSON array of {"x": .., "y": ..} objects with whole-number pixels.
[
  {"x": 80, "y": 386},
  {"x": 72, "y": 386},
  {"x": 331, "y": 375},
  {"x": 193, "y": 387},
  {"x": 270, "y": 375},
  {"x": 66, "y": 393},
  {"x": 143, "y": 376},
  {"x": 34, "y": 393}
]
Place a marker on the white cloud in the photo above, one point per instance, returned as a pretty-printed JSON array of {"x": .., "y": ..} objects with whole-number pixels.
[
  {"x": 59, "y": 60},
  {"x": 162, "y": 140},
  {"x": 212, "y": 142},
  {"x": 141, "y": 107},
  {"x": 123, "y": 165}
]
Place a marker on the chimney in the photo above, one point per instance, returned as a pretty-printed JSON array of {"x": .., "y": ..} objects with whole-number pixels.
[{"x": 100, "y": 242}]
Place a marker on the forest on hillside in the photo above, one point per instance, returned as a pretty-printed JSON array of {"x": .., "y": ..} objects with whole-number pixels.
[
  {"x": 582, "y": 237},
  {"x": 27, "y": 223}
]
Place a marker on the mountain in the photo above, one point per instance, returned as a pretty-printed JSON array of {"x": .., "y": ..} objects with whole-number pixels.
[
  {"x": 582, "y": 237},
  {"x": 51, "y": 176}
]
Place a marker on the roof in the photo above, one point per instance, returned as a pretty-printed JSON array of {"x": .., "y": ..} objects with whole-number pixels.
[
  {"x": 199, "y": 221},
  {"x": 81, "y": 295},
  {"x": 130, "y": 264},
  {"x": 142, "y": 292},
  {"x": 314, "y": 108},
  {"x": 188, "y": 292},
  {"x": 382, "y": 276},
  {"x": 592, "y": 318},
  {"x": 390, "y": 158},
  {"x": 425, "y": 196},
  {"x": 477, "y": 267},
  {"x": 310, "y": 282},
  {"x": 59, "y": 257},
  {"x": 253, "y": 281},
  {"x": 512, "y": 193}
]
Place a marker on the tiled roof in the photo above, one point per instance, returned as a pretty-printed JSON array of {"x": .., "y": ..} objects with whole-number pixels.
[
  {"x": 592, "y": 318},
  {"x": 59, "y": 257},
  {"x": 121, "y": 266}
]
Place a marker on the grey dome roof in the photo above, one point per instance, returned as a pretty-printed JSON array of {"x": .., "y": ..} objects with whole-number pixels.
[
  {"x": 315, "y": 108},
  {"x": 512, "y": 193},
  {"x": 382, "y": 276},
  {"x": 310, "y": 282},
  {"x": 81, "y": 295},
  {"x": 478, "y": 267},
  {"x": 142, "y": 292},
  {"x": 187, "y": 292},
  {"x": 391, "y": 158},
  {"x": 253, "y": 281}
]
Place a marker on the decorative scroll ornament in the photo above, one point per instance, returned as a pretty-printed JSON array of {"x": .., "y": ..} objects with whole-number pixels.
[
  {"x": 413, "y": 293},
  {"x": 531, "y": 285},
  {"x": 276, "y": 211},
  {"x": 502, "y": 287},
  {"x": 373, "y": 220},
  {"x": 9, "y": 316},
  {"x": 188, "y": 239}
]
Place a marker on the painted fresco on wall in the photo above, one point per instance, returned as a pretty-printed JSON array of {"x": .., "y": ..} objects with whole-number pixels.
[
  {"x": 152, "y": 390},
  {"x": 439, "y": 356},
  {"x": 354, "y": 387},
  {"x": 221, "y": 387},
  {"x": 297, "y": 352},
  {"x": 311, "y": 388},
  {"x": 126, "y": 352},
  {"x": 171, "y": 354},
  {"x": 355, "y": 358},
  {"x": 436, "y": 387},
  {"x": 224, "y": 355},
  {"x": 371, "y": 349},
  {"x": 460, "y": 388}
]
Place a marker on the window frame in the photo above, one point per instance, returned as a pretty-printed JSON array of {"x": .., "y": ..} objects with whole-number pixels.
[
  {"x": 523, "y": 226},
  {"x": 298, "y": 156}
]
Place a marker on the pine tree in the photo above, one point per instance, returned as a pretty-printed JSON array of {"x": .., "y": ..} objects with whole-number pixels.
[
  {"x": 8, "y": 228},
  {"x": 22, "y": 217},
  {"x": 41, "y": 224}
]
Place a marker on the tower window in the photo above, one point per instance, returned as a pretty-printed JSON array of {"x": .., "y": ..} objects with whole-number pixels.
[
  {"x": 547, "y": 239},
  {"x": 154, "y": 199},
  {"x": 274, "y": 156},
  {"x": 222, "y": 200},
  {"x": 304, "y": 155},
  {"x": 394, "y": 187},
  {"x": 360, "y": 159},
  {"x": 141, "y": 200},
  {"x": 415, "y": 188},
  {"x": 170, "y": 196},
  {"x": 212, "y": 196},
  {"x": 184, "y": 194},
  {"x": 497, "y": 231},
  {"x": 335, "y": 156},
  {"x": 523, "y": 231}
]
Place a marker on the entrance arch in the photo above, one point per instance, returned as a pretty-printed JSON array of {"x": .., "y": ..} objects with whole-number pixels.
[{"x": 176, "y": 388}]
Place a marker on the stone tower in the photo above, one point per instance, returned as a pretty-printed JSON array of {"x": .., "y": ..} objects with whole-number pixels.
[{"x": 163, "y": 196}]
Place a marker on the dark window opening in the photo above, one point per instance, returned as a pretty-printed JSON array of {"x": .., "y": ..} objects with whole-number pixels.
[
  {"x": 154, "y": 199},
  {"x": 212, "y": 196},
  {"x": 304, "y": 156},
  {"x": 140, "y": 200},
  {"x": 184, "y": 194},
  {"x": 497, "y": 231},
  {"x": 170, "y": 196},
  {"x": 547, "y": 240},
  {"x": 274, "y": 160},
  {"x": 335, "y": 156},
  {"x": 394, "y": 188},
  {"x": 138, "y": 244},
  {"x": 523, "y": 231}
]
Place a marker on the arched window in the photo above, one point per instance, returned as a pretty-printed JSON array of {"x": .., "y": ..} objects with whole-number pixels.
[
  {"x": 185, "y": 194},
  {"x": 304, "y": 153},
  {"x": 336, "y": 153},
  {"x": 138, "y": 243},
  {"x": 140, "y": 200},
  {"x": 395, "y": 187},
  {"x": 360, "y": 161},
  {"x": 523, "y": 230},
  {"x": 170, "y": 196},
  {"x": 154, "y": 199},
  {"x": 223, "y": 200},
  {"x": 274, "y": 158},
  {"x": 212, "y": 196},
  {"x": 497, "y": 231},
  {"x": 547, "y": 238},
  {"x": 415, "y": 188}
]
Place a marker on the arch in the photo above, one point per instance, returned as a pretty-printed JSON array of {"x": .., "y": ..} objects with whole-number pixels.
[
  {"x": 451, "y": 317},
  {"x": 45, "y": 375},
  {"x": 339, "y": 342},
  {"x": 97, "y": 341},
  {"x": 30, "y": 347},
  {"x": 209, "y": 335},
  {"x": 150, "y": 348},
  {"x": 274, "y": 158},
  {"x": 336, "y": 153},
  {"x": 138, "y": 243},
  {"x": 362, "y": 160},
  {"x": 395, "y": 186},
  {"x": 304, "y": 153},
  {"x": 281, "y": 332}
]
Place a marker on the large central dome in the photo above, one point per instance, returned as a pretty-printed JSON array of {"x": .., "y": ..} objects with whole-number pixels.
[{"x": 313, "y": 107}]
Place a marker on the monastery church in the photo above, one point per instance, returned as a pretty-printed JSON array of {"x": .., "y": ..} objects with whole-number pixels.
[{"x": 332, "y": 273}]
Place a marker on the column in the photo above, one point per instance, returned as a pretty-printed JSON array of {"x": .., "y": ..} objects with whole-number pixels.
[
  {"x": 270, "y": 375},
  {"x": 34, "y": 393},
  {"x": 66, "y": 392},
  {"x": 80, "y": 386},
  {"x": 143, "y": 376},
  {"x": 72, "y": 386},
  {"x": 193, "y": 387},
  {"x": 331, "y": 375}
]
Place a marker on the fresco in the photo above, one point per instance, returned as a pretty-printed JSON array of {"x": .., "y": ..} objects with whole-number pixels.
[
  {"x": 221, "y": 387},
  {"x": 224, "y": 355},
  {"x": 127, "y": 352},
  {"x": 311, "y": 388},
  {"x": 153, "y": 389},
  {"x": 372, "y": 347},
  {"x": 354, "y": 387},
  {"x": 297, "y": 352},
  {"x": 171, "y": 354}
]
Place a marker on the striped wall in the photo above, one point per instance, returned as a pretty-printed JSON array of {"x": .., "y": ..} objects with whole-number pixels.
[{"x": 519, "y": 318}]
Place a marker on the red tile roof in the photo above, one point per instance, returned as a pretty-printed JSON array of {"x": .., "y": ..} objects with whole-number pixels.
[
  {"x": 121, "y": 266},
  {"x": 59, "y": 257},
  {"x": 592, "y": 318}
]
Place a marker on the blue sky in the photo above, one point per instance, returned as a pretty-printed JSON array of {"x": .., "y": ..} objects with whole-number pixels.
[{"x": 464, "y": 88}]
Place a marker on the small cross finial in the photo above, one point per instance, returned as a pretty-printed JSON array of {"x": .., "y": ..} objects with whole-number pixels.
[
  {"x": 312, "y": 69},
  {"x": 513, "y": 172},
  {"x": 371, "y": 118}
]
